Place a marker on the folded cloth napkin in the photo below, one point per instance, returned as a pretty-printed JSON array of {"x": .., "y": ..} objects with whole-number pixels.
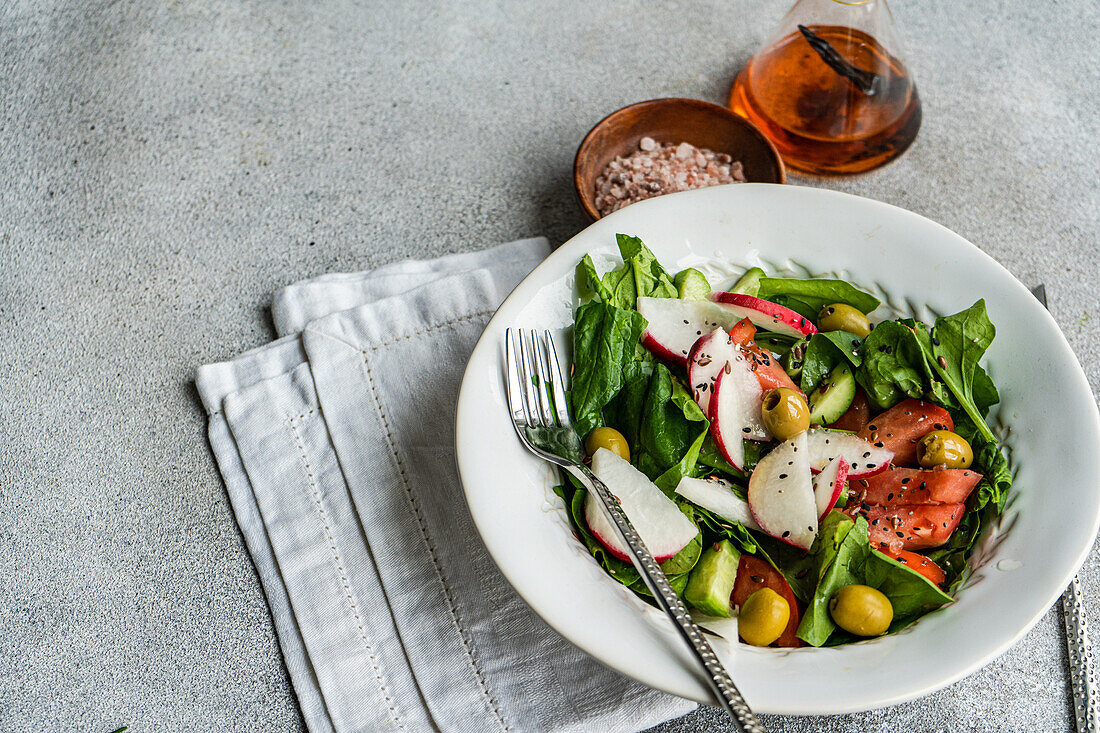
[{"x": 337, "y": 449}]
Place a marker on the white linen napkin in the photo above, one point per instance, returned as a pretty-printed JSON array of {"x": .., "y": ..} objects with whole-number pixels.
[{"x": 337, "y": 451}]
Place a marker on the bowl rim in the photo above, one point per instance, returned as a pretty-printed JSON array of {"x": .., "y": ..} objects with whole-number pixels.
[
  {"x": 590, "y": 211},
  {"x": 1071, "y": 556}
]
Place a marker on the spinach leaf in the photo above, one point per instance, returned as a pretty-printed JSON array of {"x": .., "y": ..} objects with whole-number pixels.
[
  {"x": 956, "y": 344},
  {"x": 814, "y": 294},
  {"x": 823, "y": 352},
  {"x": 893, "y": 366},
  {"x": 650, "y": 279},
  {"x": 604, "y": 342},
  {"x": 842, "y": 556},
  {"x": 589, "y": 283},
  {"x": 671, "y": 431},
  {"x": 838, "y": 556},
  {"x": 911, "y": 594}
]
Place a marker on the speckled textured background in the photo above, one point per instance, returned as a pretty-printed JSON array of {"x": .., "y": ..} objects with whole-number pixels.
[{"x": 165, "y": 167}]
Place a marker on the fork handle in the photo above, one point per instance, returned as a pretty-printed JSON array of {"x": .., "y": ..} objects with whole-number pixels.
[
  {"x": 729, "y": 697},
  {"x": 1082, "y": 675}
]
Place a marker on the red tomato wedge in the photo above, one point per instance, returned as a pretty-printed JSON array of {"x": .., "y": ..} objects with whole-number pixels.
[
  {"x": 767, "y": 369},
  {"x": 856, "y": 417},
  {"x": 921, "y": 564},
  {"x": 914, "y": 486},
  {"x": 910, "y": 526},
  {"x": 754, "y": 574},
  {"x": 900, "y": 427}
]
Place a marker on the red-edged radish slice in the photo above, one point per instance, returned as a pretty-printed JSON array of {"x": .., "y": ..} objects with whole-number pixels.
[
  {"x": 716, "y": 496},
  {"x": 766, "y": 314},
  {"x": 664, "y": 529},
  {"x": 734, "y": 410},
  {"x": 828, "y": 484},
  {"x": 705, "y": 360},
  {"x": 864, "y": 459},
  {"x": 781, "y": 494},
  {"x": 674, "y": 325}
]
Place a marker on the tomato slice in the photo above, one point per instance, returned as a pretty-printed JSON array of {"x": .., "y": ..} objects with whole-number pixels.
[
  {"x": 754, "y": 574},
  {"x": 857, "y": 416},
  {"x": 769, "y": 372},
  {"x": 915, "y": 486},
  {"x": 921, "y": 564},
  {"x": 909, "y": 526},
  {"x": 900, "y": 427}
]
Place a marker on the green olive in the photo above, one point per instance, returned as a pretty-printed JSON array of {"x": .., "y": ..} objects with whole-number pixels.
[
  {"x": 609, "y": 438},
  {"x": 861, "y": 610},
  {"x": 944, "y": 448},
  {"x": 763, "y": 617},
  {"x": 785, "y": 413},
  {"x": 843, "y": 317}
]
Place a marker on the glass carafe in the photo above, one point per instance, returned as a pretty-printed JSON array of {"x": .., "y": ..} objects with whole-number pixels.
[{"x": 830, "y": 88}]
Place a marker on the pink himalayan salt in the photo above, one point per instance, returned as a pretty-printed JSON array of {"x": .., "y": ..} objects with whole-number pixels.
[{"x": 659, "y": 168}]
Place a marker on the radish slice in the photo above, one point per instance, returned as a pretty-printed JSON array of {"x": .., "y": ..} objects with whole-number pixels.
[
  {"x": 864, "y": 459},
  {"x": 705, "y": 360},
  {"x": 664, "y": 529},
  {"x": 723, "y": 627},
  {"x": 781, "y": 494},
  {"x": 828, "y": 484},
  {"x": 674, "y": 325},
  {"x": 735, "y": 410},
  {"x": 765, "y": 314},
  {"x": 716, "y": 495}
]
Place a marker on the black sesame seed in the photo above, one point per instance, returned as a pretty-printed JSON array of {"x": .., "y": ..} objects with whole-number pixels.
[
  {"x": 787, "y": 533},
  {"x": 879, "y": 444},
  {"x": 923, "y": 484},
  {"x": 867, "y": 454},
  {"x": 782, "y": 475},
  {"x": 890, "y": 497},
  {"x": 905, "y": 481},
  {"x": 935, "y": 341},
  {"x": 756, "y": 578},
  {"x": 900, "y": 534},
  {"x": 746, "y": 430}
]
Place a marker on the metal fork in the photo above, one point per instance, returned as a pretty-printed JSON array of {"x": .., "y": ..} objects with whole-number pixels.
[
  {"x": 1081, "y": 673},
  {"x": 545, "y": 428}
]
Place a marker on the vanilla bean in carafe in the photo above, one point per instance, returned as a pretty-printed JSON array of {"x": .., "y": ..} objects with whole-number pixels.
[{"x": 808, "y": 92}]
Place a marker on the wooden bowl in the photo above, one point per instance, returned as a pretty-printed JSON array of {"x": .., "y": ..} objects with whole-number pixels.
[{"x": 700, "y": 123}]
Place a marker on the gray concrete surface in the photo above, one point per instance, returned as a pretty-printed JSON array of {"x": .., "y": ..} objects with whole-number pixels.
[{"x": 164, "y": 166}]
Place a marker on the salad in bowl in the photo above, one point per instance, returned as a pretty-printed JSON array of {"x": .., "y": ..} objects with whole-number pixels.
[{"x": 821, "y": 477}]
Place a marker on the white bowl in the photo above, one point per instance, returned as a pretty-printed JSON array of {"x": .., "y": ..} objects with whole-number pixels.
[{"x": 1047, "y": 419}]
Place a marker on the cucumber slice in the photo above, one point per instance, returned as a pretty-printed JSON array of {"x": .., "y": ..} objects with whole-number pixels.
[
  {"x": 749, "y": 284},
  {"x": 711, "y": 582},
  {"x": 692, "y": 285},
  {"x": 833, "y": 396}
]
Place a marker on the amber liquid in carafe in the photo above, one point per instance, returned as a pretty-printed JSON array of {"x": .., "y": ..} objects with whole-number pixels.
[{"x": 819, "y": 121}]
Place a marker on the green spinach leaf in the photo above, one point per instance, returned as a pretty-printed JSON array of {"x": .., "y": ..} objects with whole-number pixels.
[
  {"x": 604, "y": 342},
  {"x": 892, "y": 365}
]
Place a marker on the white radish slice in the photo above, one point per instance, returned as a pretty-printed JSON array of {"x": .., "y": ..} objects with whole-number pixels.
[
  {"x": 828, "y": 484},
  {"x": 765, "y": 314},
  {"x": 674, "y": 325},
  {"x": 705, "y": 360},
  {"x": 664, "y": 529},
  {"x": 781, "y": 494},
  {"x": 863, "y": 458},
  {"x": 716, "y": 495},
  {"x": 734, "y": 410}
]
